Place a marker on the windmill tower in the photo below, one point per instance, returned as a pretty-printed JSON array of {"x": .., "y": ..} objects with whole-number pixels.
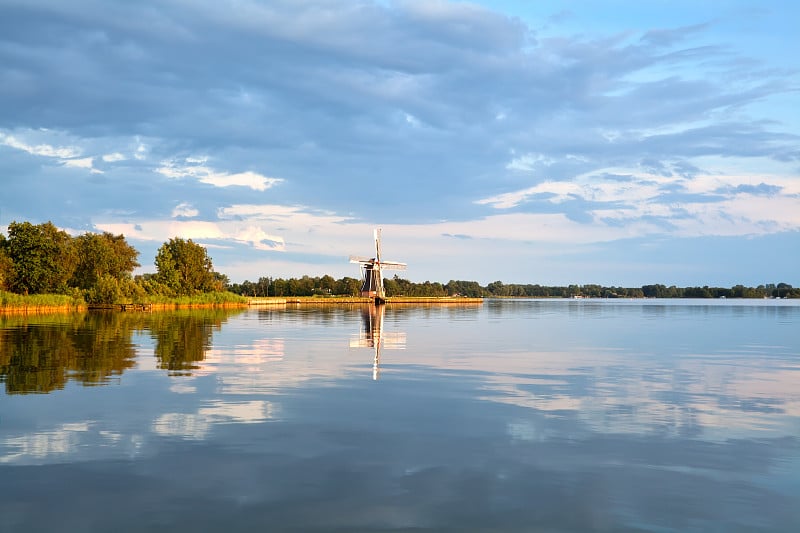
[{"x": 372, "y": 279}]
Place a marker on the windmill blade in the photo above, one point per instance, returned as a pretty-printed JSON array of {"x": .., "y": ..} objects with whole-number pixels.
[
  {"x": 377, "y": 234},
  {"x": 393, "y": 265},
  {"x": 360, "y": 259}
]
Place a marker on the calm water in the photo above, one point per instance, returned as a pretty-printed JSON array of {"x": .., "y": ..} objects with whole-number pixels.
[{"x": 510, "y": 416}]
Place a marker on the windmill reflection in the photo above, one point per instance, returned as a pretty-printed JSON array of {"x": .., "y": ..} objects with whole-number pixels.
[{"x": 373, "y": 336}]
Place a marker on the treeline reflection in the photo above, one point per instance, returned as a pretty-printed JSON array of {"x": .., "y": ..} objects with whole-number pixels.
[{"x": 42, "y": 354}]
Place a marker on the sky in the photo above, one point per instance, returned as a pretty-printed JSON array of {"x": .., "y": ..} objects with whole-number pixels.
[{"x": 554, "y": 142}]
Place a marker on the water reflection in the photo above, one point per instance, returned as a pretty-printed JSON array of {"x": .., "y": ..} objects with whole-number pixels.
[
  {"x": 184, "y": 337},
  {"x": 518, "y": 416},
  {"x": 373, "y": 336},
  {"x": 41, "y": 354}
]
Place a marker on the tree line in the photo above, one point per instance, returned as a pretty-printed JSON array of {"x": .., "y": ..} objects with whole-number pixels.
[
  {"x": 396, "y": 286},
  {"x": 98, "y": 267}
]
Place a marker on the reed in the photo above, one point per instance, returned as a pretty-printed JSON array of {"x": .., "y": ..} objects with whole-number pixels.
[
  {"x": 44, "y": 303},
  {"x": 11, "y": 300},
  {"x": 203, "y": 299}
]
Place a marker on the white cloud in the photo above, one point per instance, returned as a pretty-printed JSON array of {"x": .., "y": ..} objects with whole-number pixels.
[
  {"x": 141, "y": 150},
  {"x": 184, "y": 209},
  {"x": 85, "y": 162},
  {"x": 114, "y": 157},
  {"x": 411, "y": 119},
  {"x": 529, "y": 162},
  {"x": 720, "y": 205},
  {"x": 193, "y": 168},
  {"x": 44, "y": 150},
  {"x": 260, "y": 239},
  {"x": 253, "y": 180},
  {"x": 241, "y": 232}
]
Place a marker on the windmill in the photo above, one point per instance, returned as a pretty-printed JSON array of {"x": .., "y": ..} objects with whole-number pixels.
[{"x": 372, "y": 280}]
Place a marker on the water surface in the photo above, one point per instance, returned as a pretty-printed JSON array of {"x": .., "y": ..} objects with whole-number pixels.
[{"x": 535, "y": 415}]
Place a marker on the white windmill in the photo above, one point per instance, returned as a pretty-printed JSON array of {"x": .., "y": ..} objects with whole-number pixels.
[{"x": 372, "y": 279}]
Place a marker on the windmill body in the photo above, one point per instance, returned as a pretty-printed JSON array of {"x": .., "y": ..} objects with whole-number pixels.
[{"x": 371, "y": 272}]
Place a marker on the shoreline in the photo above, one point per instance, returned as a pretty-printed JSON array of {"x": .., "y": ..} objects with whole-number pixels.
[
  {"x": 310, "y": 301},
  {"x": 251, "y": 302}
]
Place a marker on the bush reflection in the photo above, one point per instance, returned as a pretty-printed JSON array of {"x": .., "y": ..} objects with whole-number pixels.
[{"x": 41, "y": 354}]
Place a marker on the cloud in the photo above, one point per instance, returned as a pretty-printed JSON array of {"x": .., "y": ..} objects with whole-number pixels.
[
  {"x": 156, "y": 231},
  {"x": 85, "y": 162},
  {"x": 114, "y": 157},
  {"x": 193, "y": 168},
  {"x": 761, "y": 189},
  {"x": 44, "y": 150},
  {"x": 673, "y": 36},
  {"x": 529, "y": 162},
  {"x": 184, "y": 209}
]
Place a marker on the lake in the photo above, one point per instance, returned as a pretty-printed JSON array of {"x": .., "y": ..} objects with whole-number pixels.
[{"x": 514, "y": 415}]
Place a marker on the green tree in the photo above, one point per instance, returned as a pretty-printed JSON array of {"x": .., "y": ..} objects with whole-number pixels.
[
  {"x": 105, "y": 291},
  {"x": 43, "y": 257},
  {"x": 470, "y": 289},
  {"x": 391, "y": 287},
  {"x": 6, "y": 265},
  {"x": 262, "y": 286},
  {"x": 783, "y": 290},
  {"x": 327, "y": 284},
  {"x": 496, "y": 288},
  {"x": 185, "y": 268},
  {"x": 102, "y": 255},
  {"x": 348, "y": 286}
]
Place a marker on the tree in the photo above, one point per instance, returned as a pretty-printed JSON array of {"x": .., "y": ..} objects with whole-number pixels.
[
  {"x": 327, "y": 284},
  {"x": 43, "y": 257},
  {"x": 185, "y": 268},
  {"x": 262, "y": 286},
  {"x": 6, "y": 265},
  {"x": 496, "y": 288},
  {"x": 103, "y": 255},
  {"x": 470, "y": 289},
  {"x": 783, "y": 290},
  {"x": 348, "y": 286}
]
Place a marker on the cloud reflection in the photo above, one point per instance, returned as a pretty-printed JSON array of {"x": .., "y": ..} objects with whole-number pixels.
[{"x": 197, "y": 425}]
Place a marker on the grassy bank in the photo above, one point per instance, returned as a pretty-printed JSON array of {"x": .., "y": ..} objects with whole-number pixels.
[
  {"x": 39, "y": 303},
  {"x": 11, "y": 303},
  {"x": 208, "y": 299}
]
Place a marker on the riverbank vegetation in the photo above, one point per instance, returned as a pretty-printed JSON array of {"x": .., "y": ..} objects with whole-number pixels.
[{"x": 42, "y": 266}]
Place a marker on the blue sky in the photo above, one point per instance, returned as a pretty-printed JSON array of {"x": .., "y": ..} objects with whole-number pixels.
[{"x": 611, "y": 142}]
